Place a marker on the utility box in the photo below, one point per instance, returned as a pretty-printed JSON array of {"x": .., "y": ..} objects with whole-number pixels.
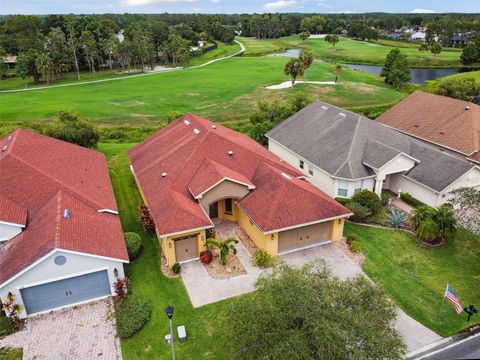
[{"x": 182, "y": 333}]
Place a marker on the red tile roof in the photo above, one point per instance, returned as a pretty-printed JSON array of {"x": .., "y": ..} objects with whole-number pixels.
[
  {"x": 190, "y": 147},
  {"x": 45, "y": 176},
  {"x": 452, "y": 123},
  {"x": 211, "y": 173},
  {"x": 11, "y": 212}
]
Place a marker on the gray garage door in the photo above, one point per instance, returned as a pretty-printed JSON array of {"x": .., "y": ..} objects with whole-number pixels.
[{"x": 64, "y": 292}]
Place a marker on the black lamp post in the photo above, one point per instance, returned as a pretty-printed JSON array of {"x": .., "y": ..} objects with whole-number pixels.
[{"x": 169, "y": 312}]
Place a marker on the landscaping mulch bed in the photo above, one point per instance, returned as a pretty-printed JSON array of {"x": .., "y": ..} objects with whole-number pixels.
[
  {"x": 246, "y": 240},
  {"x": 358, "y": 257},
  {"x": 233, "y": 268},
  {"x": 166, "y": 270}
]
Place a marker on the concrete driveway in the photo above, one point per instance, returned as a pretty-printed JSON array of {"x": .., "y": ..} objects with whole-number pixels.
[
  {"x": 414, "y": 334},
  {"x": 82, "y": 332}
]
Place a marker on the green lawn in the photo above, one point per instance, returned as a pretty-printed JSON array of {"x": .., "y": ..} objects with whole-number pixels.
[
  {"x": 416, "y": 278},
  {"x": 202, "y": 325},
  {"x": 222, "y": 51},
  {"x": 432, "y": 85},
  {"x": 223, "y": 91},
  {"x": 11, "y": 354},
  {"x": 254, "y": 47},
  {"x": 357, "y": 52}
]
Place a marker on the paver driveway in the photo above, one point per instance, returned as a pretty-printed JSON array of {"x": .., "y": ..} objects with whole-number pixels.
[{"x": 82, "y": 332}]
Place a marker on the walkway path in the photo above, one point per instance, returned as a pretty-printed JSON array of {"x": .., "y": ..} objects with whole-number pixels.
[
  {"x": 160, "y": 70},
  {"x": 81, "y": 332}
]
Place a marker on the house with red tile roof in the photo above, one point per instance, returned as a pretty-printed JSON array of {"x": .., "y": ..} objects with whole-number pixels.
[
  {"x": 194, "y": 171},
  {"x": 451, "y": 125},
  {"x": 62, "y": 241}
]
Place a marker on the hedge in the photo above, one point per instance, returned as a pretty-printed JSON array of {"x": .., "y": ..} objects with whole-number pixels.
[
  {"x": 134, "y": 244},
  {"x": 409, "y": 199},
  {"x": 131, "y": 313},
  {"x": 343, "y": 201}
]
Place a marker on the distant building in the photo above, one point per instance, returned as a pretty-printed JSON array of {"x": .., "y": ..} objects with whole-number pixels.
[
  {"x": 10, "y": 61},
  {"x": 418, "y": 36}
]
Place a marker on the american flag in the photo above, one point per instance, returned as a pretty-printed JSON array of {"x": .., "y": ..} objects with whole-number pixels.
[{"x": 450, "y": 295}]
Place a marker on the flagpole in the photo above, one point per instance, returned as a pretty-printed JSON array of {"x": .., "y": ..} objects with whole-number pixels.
[{"x": 441, "y": 305}]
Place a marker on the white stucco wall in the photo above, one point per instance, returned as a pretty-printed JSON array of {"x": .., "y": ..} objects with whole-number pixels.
[
  {"x": 367, "y": 184},
  {"x": 47, "y": 271},
  {"x": 8, "y": 231},
  {"x": 401, "y": 163},
  {"x": 319, "y": 178}
]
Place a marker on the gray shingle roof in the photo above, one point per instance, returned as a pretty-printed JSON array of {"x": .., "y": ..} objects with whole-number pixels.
[{"x": 340, "y": 142}]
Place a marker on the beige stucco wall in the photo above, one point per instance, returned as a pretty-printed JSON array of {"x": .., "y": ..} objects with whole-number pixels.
[
  {"x": 336, "y": 230},
  {"x": 226, "y": 189},
  {"x": 168, "y": 244},
  {"x": 266, "y": 242}
]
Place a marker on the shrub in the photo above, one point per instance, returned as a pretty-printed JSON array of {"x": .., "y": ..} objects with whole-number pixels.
[
  {"x": 385, "y": 198},
  {"x": 134, "y": 244},
  {"x": 210, "y": 233},
  {"x": 147, "y": 219},
  {"x": 262, "y": 259},
  {"x": 360, "y": 213},
  {"x": 206, "y": 256},
  {"x": 176, "y": 268},
  {"x": 6, "y": 325},
  {"x": 131, "y": 313},
  {"x": 70, "y": 127},
  {"x": 120, "y": 286},
  {"x": 343, "y": 201},
  {"x": 353, "y": 243},
  {"x": 370, "y": 200},
  {"x": 409, "y": 199},
  {"x": 397, "y": 219}
]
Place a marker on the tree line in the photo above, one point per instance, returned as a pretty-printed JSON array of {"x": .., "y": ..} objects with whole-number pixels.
[{"x": 48, "y": 47}]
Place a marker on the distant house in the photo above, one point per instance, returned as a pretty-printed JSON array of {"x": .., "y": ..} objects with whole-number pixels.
[
  {"x": 449, "y": 124},
  {"x": 62, "y": 241},
  {"x": 10, "y": 61},
  {"x": 194, "y": 171},
  {"x": 418, "y": 36},
  {"x": 394, "y": 36},
  {"x": 343, "y": 153}
]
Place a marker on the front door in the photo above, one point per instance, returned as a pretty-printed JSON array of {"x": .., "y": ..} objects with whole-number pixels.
[{"x": 213, "y": 210}]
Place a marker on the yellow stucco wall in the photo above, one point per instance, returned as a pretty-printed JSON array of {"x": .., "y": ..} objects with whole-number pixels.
[
  {"x": 223, "y": 215},
  {"x": 266, "y": 242},
  {"x": 337, "y": 229},
  {"x": 168, "y": 246}
]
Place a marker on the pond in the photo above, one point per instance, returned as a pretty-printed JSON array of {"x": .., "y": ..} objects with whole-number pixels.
[{"x": 419, "y": 75}]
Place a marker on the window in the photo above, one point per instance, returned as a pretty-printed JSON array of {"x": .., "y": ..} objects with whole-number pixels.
[
  {"x": 228, "y": 206},
  {"x": 310, "y": 169},
  {"x": 301, "y": 165},
  {"x": 358, "y": 186},
  {"x": 342, "y": 188},
  {"x": 60, "y": 260}
]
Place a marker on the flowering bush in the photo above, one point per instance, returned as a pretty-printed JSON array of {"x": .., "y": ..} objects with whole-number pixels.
[
  {"x": 147, "y": 219},
  {"x": 206, "y": 256},
  {"x": 120, "y": 286},
  {"x": 10, "y": 308}
]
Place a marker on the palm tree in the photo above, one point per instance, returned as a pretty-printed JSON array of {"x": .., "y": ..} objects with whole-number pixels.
[
  {"x": 44, "y": 66},
  {"x": 294, "y": 68},
  {"x": 306, "y": 59},
  {"x": 337, "y": 71},
  {"x": 428, "y": 230},
  {"x": 446, "y": 221},
  {"x": 225, "y": 247},
  {"x": 421, "y": 214}
]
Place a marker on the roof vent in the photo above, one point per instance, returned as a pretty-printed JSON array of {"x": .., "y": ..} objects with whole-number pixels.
[
  {"x": 416, "y": 125},
  {"x": 324, "y": 107},
  {"x": 230, "y": 153},
  {"x": 66, "y": 213},
  {"x": 196, "y": 131},
  {"x": 342, "y": 114},
  {"x": 9, "y": 138},
  {"x": 214, "y": 126},
  {"x": 286, "y": 176},
  {"x": 186, "y": 122},
  {"x": 467, "y": 107},
  {"x": 164, "y": 174},
  {"x": 4, "y": 148},
  {"x": 442, "y": 133}
]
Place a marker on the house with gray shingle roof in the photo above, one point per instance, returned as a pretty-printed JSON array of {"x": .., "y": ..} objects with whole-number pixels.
[{"x": 343, "y": 153}]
